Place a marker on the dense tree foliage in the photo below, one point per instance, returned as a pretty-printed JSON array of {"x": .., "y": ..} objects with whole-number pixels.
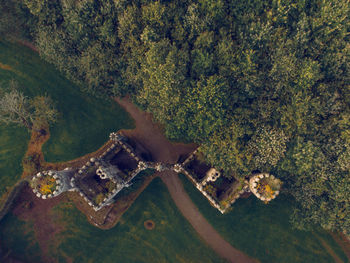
[
  {"x": 261, "y": 85},
  {"x": 16, "y": 20}
]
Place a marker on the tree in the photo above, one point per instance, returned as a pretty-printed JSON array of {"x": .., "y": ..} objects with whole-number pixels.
[
  {"x": 56, "y": 47},
  {"x": 225, "y": 150},
  {"x": 203, "y": 55},
  {"x": 16, "y": 108},
  {"x": 31, "y": 113},
  {"x": 15, "y": 19},
  {"x": 208, "y": 103},
  {"x": 267, "y": 147},
  {"x": 321, "y": 189},
  {"x": 230, "y": 75},
  {"x": 48, "y": 12},
  {"x": 163, "y": 78},
  {"x": 99, "y": 68},
  {"x": 44, "y": 112}
]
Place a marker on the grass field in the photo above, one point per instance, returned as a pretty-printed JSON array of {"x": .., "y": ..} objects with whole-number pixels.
[
  {"x": 263, "y": 231},
  {"x": 17, "y": 239},
  {"x": 85, "y": 121},
  {"x": 13, "y": 145},
  {"x": 172, "y": 239},
  {"x": 84, "y": 125}
]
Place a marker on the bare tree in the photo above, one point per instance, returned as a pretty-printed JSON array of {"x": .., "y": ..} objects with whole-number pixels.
[
  {"x": 31, "y": 113},
  {"x": 15, "y": 108}
]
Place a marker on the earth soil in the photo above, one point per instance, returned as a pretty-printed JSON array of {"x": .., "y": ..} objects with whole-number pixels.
[{"x": 164, "y": 151}]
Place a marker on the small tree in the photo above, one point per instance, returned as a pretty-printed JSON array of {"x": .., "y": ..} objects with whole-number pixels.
[
  {"x": 15, "y": 108},
  {"x": 44, "y": 113},
  {"x": 31, "y": 113},
  {"x": 267, "y": 147}
]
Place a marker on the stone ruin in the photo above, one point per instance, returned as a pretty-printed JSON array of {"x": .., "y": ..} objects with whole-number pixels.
[
  {"x": 48, "y": 184},
  {"x": 212, "y": 175},
  {"x": 70, "y": 179},
  {"x": 256, "y": 182},
  {"x": 104, "y": 171}
]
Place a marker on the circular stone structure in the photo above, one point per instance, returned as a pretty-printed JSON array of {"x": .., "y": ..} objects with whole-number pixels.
[
  {"x": 48, "y": 184},
  {"x": 265, "y": 186},
  {"x": 149, "y": 224}
]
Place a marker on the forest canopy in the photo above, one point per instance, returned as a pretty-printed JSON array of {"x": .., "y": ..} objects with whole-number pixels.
[{"x": 261, "y": 85}]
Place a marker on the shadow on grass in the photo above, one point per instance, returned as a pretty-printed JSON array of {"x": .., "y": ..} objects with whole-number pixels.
[
  {"x": 172, "y": 239},
  {"x": 17, "y": 240},
  {"x": 264, "y": 232}
]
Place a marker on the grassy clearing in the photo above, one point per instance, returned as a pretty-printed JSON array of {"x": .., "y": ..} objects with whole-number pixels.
[
  {"x": 172, "y": 239},
  {"x": 85, "y": 122},
  {"x": 17, "y": 239},
  {"x": 263, "y": 231},
  {"x": 13, "y": 145},
  {"x": 259, "y": 230},
  {"x": 83, "y": 127}
]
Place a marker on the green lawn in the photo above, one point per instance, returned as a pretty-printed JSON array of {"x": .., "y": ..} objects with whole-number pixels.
[
  {"x": 17, "y": 239},
  {"x": 85, "y": 122},
  {"x": 263, "y": 231},
  {"x": 13, "y": 145},
  {"x": 172, "y": 239},
  {"x": 84, "y": 125}
]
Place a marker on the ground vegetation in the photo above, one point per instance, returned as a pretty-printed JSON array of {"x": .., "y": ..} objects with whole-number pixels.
[
  {"x": 261, "y": 85},
  {"x": 16, "y": 108},
  {"x": 263, "y": 232}
]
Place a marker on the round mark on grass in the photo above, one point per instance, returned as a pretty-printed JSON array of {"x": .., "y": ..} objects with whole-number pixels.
[{"x": 149, "y": 224}]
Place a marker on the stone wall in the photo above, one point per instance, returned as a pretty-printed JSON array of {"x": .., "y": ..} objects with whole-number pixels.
[
  {"x": 118, "y": 139},
  {"x": 200, "y": 188},
  {"x": 253, "y": 184},
  {"x": 62, "y": 180},
  {"x": 199, "y": 185}
]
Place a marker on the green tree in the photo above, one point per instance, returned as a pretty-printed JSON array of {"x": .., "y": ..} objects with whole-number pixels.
[
  {"x": 16, "y": 20},
  {"x": 267, "y": 147},
  {"x": 163, "y": 78},
  {"x": 225, "y": 150},
  {"x": 259, "y": 84},
  {"x": 208, "y": 103}
]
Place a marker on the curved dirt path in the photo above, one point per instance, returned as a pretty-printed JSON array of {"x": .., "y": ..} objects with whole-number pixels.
[
  {"x": 162, "y": 150},
  {"x": 199, "y": 223}
]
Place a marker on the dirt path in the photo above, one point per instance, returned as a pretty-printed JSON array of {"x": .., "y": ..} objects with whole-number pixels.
[
  {"x": 343, "y": 242},
  {"x": 330, "y": 250},
  {"x": 28, "y": 206},
  {"x": 26, "y": 43},
  {"x": 37, "y": 140},
  {"x": 151, "y": 136},
  {"x": 163, "y": 150},
  {"x": 9, "y": 68},
  {"x": 199, "y": 223}
]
